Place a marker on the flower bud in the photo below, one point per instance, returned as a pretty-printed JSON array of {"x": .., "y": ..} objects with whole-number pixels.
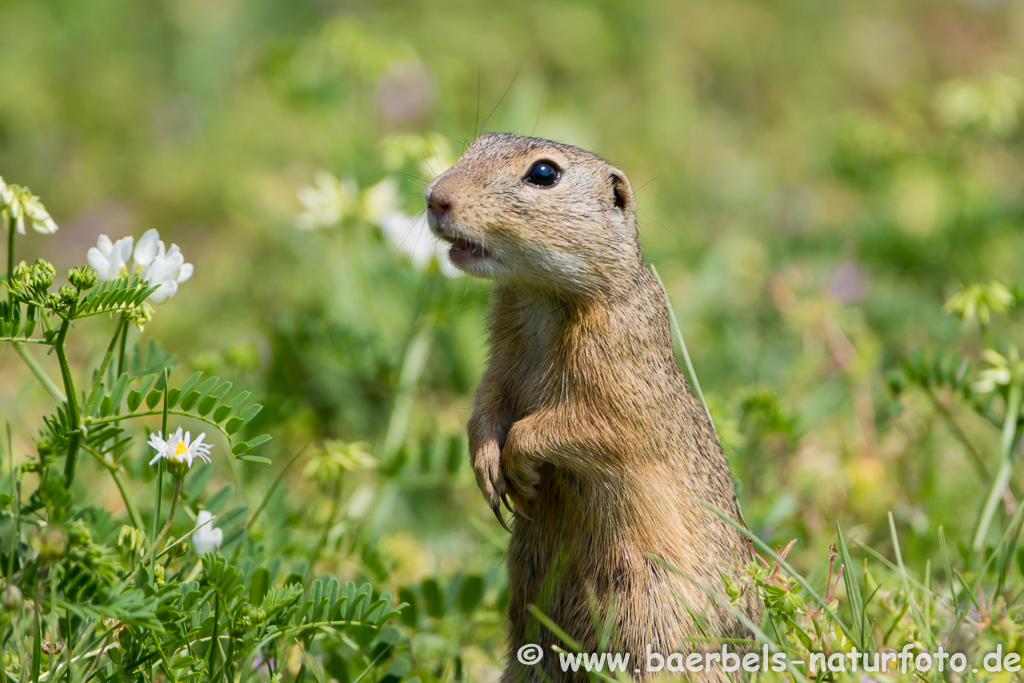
[
  {"x": 160, "y": 575},
  {"x": 140, "y": 315},
  {"x": 53, "y": 543},
  {"x": 42, "y": 274},
  {"x": 11, "y": 599},
  {"x": 68, "y": 295},
  {"x": 82, "y": 277}
]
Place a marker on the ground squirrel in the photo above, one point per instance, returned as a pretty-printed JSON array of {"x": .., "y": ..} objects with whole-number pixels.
[{"x": 582, "y": 417}]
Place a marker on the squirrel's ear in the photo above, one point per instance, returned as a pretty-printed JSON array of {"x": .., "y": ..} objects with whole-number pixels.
[{"x": 622, "y": 193}]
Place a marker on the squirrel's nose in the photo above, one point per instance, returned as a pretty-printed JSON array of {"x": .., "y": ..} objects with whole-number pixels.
[{"x": 439, "y": 203}]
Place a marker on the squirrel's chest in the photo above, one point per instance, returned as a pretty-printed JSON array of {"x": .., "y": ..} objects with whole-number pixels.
[{"x": 536, "y": 356}]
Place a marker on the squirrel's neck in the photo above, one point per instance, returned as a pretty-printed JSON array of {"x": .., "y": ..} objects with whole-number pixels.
[{"x": 625, "y": 325}]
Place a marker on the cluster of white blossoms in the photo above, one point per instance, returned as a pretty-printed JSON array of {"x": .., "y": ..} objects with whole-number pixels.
[
  {"x": 329, "y": 200},
  {"x": 19, "y": 204},
  {"x": 326, "y": 201},
  {"x": 159, "y": 266}
]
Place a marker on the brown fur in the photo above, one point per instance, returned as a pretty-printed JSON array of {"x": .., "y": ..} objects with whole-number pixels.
[{"x": 583, "y": 417}]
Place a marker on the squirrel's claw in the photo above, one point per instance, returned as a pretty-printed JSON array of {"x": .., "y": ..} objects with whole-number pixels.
[
  {"x": 496, "y": 507},
  {"x": 487, "y": 467}
]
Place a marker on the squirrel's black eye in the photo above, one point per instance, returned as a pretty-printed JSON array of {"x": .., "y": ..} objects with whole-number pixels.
[{"x": 543, "y": 174}]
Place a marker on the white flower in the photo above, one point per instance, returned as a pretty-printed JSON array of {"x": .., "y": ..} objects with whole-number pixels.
[
  {"x": 178, "y": 449},
  {"x": 326, "y": 201},
  {"x": 380, "y": 200},
  {"x": 35, "y": 211},
  {"x": 146, "y": 249},
  {"x": 165, "y": 269},
  {"x": 160, "y": 267},
  {"x": 1003, "y": 371},
  {"x": 206, "y": 538},
  {"x": 9, "y": 200},
  {"x": 413, "y": 238},
  {"x": 22, "y": 204},
  {"x": 110, "y": 259},
  {"x": 6, "y": 194}
]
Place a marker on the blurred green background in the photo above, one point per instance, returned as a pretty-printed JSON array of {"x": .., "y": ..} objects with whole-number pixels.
[{"x": 813, "y": 178}]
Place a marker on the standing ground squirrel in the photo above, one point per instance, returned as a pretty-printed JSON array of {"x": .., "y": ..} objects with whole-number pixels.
[{"x": 583, "y": 419}]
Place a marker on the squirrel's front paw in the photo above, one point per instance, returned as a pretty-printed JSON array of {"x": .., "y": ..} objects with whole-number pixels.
[
  {"x": 522, "y": 476},
  {"x": 487, "y": 467},
  {"x": 521, "y": 473}
]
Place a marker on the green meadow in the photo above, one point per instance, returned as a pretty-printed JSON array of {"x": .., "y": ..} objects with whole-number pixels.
[{"x": 832, "y": 194}]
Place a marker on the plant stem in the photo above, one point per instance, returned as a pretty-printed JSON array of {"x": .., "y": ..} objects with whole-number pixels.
[
  {"x": 133, "y": 512},
  {"x": 124, "y": 341},
  {"x": 37, "y": 638},
  {"x": 16, "y": 497},
  {"x": 159, "y": 494},
  {"x": 179, "y": 480},
  {"x": 415, "y": 361},
  {"x": 160, "y": 464},
  {"x": 321, "y": 545},
  {"x": 10, "y": 259},
  {"x": 75, "y": 435},
  {"x": 40, "y": 374},
  {"x": 986, "y": 333},
  {"x": 995, "y": 492},
  {"x": 215, "y": 636},
  {"x": 98, "y": 379},
  {"x": 678, "y": 333}
]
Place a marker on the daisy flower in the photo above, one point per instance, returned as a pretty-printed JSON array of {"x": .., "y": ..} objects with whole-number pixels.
[{"x": 179, "y": 449}]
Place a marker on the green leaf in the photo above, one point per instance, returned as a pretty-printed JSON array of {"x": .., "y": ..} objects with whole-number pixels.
[
  {"x": 218, "y": 500},
  {"x": 206, "y": 405},
  {"x": 106, "y": 406},
  {"x": 409, "y": 614},
  {"x": 153, "y": 398},
  {"x": 254, "y": 458},
  {"x": 472, "y": 593},
  {"x": 226, "y": 409},
  {"x": 259, "y": 586},
  {"x": 245, "y": 418},
  {"x": 190, "y": 382},
  {"x": 147, "y": 383},
  {"x": 172, "y": 397},
  {"x": 432, "y": 598},
  {"x": 203, "y": 389},
  {"x": 134, "y": 400},
  {"x": 240, "y": 448},
  {"x": 117, "y": 393},
  {"x": 190, "y": 400}
]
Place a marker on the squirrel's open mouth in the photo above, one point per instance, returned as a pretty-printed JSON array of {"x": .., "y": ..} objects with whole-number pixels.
[{"x": 462, "y": 251}]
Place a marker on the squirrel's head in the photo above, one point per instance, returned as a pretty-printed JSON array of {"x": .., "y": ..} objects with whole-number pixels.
[{"x": 535, "y": 213}]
